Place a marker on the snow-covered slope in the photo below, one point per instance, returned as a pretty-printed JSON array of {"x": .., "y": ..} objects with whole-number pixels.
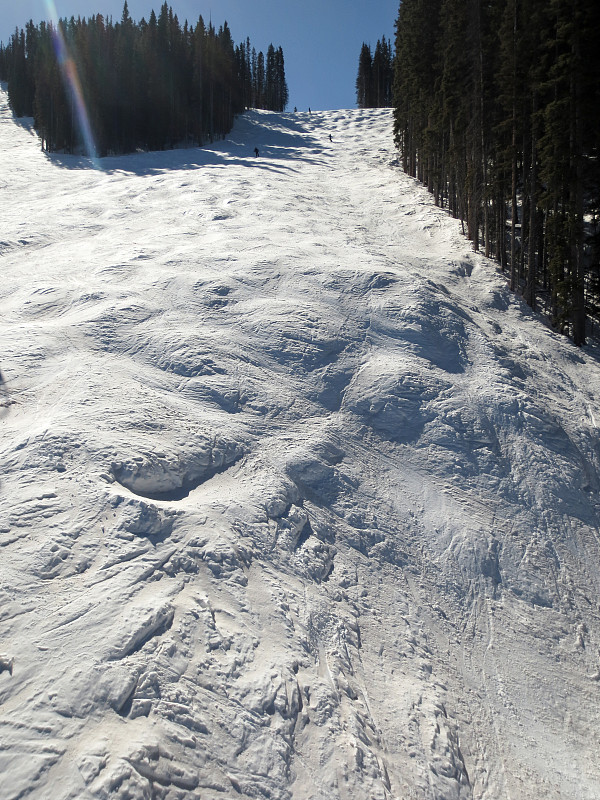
[{"x": 297, "y": 501}]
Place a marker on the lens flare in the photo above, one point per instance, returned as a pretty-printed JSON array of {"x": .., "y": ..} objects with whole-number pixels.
[{"x": 68, "y": 69}]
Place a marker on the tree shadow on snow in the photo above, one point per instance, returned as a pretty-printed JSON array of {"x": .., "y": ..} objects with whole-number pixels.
[{"x": 279, "y": 138}]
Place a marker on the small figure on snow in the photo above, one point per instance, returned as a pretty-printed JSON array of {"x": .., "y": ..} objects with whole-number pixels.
[
  {"x": 256, "y": 153},
  {"x": 330, "y": 139},
  {"x": 309, "y": 111}
]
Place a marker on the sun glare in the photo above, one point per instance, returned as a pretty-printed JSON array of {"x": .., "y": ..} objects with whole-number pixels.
[{"x": 68, "y": 69}]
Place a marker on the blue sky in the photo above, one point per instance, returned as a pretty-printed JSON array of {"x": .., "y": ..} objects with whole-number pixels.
[{"x": 321, "y": 39}]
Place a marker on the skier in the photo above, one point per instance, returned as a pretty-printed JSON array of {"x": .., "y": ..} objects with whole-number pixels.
[
  {"x": 256, "y": 152},
  {"x": 330, "y": 139}
]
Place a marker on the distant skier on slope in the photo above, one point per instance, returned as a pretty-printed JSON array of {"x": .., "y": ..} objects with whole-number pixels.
[
  {"x": 256, "y": 153},
  {"x": 330, "y": 139}
]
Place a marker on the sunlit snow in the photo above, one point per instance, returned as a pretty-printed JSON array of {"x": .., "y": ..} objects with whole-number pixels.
[{"x": 297, "y": 501}]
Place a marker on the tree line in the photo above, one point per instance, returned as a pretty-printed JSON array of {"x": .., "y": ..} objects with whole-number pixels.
[
  {"x": 375, "y": 77},
  {"x": 497, "y": 112},
  {"x": 149, "y": 85}
]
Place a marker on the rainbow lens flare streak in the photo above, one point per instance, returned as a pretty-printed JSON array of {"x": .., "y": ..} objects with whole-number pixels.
[{"x": 71, "y": 78}]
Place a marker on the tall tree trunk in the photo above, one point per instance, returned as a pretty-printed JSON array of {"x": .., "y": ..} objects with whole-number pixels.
[
  {"x": 514, "y": 208},
  {"x": 576, "y": 192},
  {"x": 531, "y": 255}
]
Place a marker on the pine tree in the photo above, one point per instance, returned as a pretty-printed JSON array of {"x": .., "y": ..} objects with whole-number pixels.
[
  {"x": 364, "y": 79},
  {"x": 282, "y": 93},
  {"x": 496, "y": 111},
  {"x": 149, "y": 84},
  {"x": 20, "y": 94},
  {"x": 382, "y": 75},
  {"x": 260, "y": 82}
]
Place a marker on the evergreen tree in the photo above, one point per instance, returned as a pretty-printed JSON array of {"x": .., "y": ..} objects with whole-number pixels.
[
  {"x": 382, "y": 74},
  {"x": 260, "y": 98},
  {"x": 20, "y": 94},
  {"x": 496, "y": 111},
  {"x": 282, "y": 93},
  {"x": 146, "y": 85},
  {"x": 364, "y": 79}
]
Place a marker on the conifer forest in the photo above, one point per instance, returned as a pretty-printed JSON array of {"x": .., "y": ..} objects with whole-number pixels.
[
  {"x": 375, "y": 77},
  {"x": 149, "y": 85},
  {"x": 497, "y": 111}
]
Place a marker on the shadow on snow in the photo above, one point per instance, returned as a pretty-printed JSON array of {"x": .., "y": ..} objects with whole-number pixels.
[{"x": 278, "y": 137}]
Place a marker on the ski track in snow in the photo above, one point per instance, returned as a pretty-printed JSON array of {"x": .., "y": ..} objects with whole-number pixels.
[{"x": 297, "y": 501}]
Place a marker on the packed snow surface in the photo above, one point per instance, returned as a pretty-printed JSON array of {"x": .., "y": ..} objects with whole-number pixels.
[{"x": 297, "y": 501}]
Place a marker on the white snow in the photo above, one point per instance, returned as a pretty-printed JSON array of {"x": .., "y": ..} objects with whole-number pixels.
[{"x": 297, "y": 501}]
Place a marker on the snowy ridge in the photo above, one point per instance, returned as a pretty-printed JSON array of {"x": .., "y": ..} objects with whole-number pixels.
[{"x": 297, "y": 501}]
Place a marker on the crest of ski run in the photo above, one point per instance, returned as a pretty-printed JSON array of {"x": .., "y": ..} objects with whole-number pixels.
[{"x": 297, "y": 501}]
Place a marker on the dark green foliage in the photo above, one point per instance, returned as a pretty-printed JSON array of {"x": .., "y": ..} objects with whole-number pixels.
[
  {"x": 148, "y": 85},
  {"x": 497, "y": 111},
  {"x": 375, "y": 76},
  {"x": 364, "y": 79},
  {"x": 276, "y": 91},
  {"x": 20, "y": 90}
]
